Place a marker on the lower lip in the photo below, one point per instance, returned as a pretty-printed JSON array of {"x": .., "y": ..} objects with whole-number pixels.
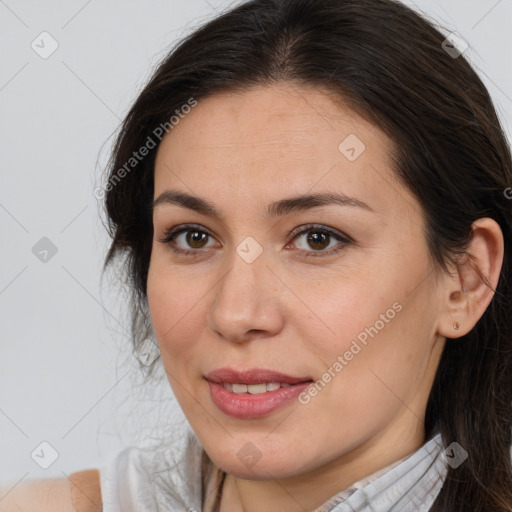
[{"x": 247, "y": 406}]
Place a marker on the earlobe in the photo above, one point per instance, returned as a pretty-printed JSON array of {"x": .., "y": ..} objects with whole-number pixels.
[{"x": 471, "y": 288}]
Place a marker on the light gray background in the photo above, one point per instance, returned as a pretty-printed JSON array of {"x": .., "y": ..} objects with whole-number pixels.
[{"x": 67, "y": 375}]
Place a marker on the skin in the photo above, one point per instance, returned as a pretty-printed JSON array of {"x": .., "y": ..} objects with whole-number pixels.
[
  {"x": 43, "y": 495},
  {"x": 242, "y": 151}
]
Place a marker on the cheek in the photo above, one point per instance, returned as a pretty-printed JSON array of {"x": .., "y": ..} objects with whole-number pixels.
[
  {"x": 175, "y": 326},
  {"x": 337, "y": 312},
  {"x": 173, "y": 306},
  {"x": 361, "y": 337},
  {"x": 381, "y": 366}
]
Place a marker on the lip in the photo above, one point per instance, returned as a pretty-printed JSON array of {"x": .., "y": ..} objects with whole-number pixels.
[{"x": 249, "y": 406}]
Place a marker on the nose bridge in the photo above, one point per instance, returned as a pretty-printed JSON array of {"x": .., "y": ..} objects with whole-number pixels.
[{"x": 245, "y": 299}]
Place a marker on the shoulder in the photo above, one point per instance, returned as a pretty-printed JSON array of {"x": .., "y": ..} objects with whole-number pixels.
[
  {"x": 144, "y": 477},
  {"x": 86, "y": 490},
  {"x": 38, "y": 496},
  {"x": 78, "y": 493}
]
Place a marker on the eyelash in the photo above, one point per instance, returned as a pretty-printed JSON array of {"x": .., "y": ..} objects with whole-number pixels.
[{"x": 171, "y": 234}]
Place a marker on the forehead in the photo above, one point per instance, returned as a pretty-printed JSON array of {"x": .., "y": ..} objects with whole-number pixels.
[{"x": 268, "y": 138}]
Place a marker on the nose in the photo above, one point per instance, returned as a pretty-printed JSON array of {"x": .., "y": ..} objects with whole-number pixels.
[{"x": 247, "y": 301}]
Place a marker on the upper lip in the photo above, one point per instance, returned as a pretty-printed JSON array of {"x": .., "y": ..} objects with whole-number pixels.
[{"x": 252, "y": 376}]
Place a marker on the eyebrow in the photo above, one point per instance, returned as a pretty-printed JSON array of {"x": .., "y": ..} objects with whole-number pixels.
[{"x": 276, "y": 209}]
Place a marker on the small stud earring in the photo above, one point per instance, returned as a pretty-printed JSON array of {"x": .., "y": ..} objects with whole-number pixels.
[{"x": 456, "y": 325}]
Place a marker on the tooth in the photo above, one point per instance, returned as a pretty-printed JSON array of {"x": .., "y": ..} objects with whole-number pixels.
[
  {"x": 239, "y": 388},
  {"x": 256, "y": 388}
]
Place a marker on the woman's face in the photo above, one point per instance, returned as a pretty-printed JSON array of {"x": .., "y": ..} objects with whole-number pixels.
[{"x": 333, "y": 296}]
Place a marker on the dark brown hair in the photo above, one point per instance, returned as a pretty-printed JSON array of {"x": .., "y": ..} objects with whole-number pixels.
[{"x": 388, "y": 63}]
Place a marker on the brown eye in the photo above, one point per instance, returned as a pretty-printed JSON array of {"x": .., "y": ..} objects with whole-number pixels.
[
  {"x": 190, "y": 240},
  {"x": 317, "y": 240},
  {"x": 195, "y": 239},
  {"x": 186, "y": 240}
]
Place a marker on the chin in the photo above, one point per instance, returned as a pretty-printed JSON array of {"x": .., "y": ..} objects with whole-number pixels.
[{"x": 256, "y": 466}]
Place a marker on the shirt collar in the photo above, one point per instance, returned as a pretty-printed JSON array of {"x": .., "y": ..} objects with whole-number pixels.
[{"x": 404, "y": 485}]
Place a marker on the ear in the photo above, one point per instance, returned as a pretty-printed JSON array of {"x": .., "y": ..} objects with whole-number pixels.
[{"x": 468, "y": 292}]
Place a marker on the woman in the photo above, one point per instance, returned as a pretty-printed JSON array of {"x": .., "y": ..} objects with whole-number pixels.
[{"x": 310, "y": 198}]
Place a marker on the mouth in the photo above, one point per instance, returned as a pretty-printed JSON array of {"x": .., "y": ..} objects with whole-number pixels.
[
  {"x": 253, "y": 393},
  {"x": 253, "y": 376},
  {"x": 254, "y": 389}
]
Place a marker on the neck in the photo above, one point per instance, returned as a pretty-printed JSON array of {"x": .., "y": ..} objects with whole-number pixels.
[{"x": 312, "y": 489}]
